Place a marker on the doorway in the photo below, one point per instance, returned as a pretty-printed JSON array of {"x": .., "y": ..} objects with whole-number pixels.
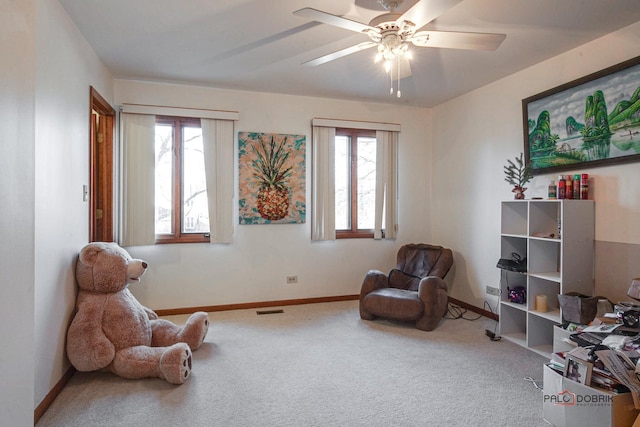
[{"x": 102, "y": 132}]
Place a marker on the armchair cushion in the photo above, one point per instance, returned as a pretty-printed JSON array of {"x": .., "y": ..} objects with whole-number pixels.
[
  {"x": 400, "y": 280},
  {"x": 397, "y": 304}
]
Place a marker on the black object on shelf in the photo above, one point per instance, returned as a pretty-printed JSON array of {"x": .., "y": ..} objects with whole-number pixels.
[{"x": 516, "y": 263}]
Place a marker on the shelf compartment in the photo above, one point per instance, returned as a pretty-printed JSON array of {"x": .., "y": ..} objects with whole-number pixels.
[
  {"x": 551, "y": 289},
  {"x": 544, "y": 257},
  {"x": 511, "y": 244},
  {"x": 543, "y": 217},
  {"x": 515, "y": 218},
  {"x": 513, "y": 321},
  {"x": 509, "y": 280},
  {"x": 540, "y": 333}
]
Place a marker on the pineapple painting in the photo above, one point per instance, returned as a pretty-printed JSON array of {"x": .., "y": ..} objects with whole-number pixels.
[
  {"x": 272, "y": 178},
  {"x": 271, "y": 170}
]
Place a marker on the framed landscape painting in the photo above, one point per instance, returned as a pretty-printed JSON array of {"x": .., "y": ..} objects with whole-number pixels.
[
  {"x": 592, "y": 121},
  {"x": 271, "y": 170}
]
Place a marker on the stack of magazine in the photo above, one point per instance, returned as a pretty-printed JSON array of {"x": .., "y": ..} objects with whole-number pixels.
[
  {"x": 603, "y": 359},
  {"x": 597, "y": 377}
]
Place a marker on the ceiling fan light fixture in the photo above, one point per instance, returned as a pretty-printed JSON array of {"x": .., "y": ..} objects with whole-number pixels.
[
  {"x": 375, "y": 36},
  {"x": 400, "y": 49}
]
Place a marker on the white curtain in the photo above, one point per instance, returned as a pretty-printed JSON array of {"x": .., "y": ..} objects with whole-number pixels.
[
  {"x": 217, "y": 137},
  {"x": 386, "y": 184},
  {"x": 323, "y": 221},
  {"x": 138, "y": 206}
]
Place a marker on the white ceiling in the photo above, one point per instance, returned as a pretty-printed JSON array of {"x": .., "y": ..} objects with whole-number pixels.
[{"x": 259, "y": 45}]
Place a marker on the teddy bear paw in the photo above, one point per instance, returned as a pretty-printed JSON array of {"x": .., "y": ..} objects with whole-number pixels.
[
  {"x": 195, "y": 331},
  {"x": 176, "y": 363}
]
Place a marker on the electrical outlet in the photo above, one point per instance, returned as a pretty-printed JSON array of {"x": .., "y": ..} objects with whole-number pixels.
[
  {"x": 493, "y": 291},
  {"x": 292, "y": 279}
]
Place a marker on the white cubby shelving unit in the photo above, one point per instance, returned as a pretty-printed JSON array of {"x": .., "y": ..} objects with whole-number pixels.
[{"x": 556, "y": 264}]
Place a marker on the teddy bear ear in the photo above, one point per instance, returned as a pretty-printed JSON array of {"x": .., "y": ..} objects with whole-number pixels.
[{"x": 89, "y": 253}]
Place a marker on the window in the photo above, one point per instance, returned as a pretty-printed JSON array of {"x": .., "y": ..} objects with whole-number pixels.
[
  {"x": 181, "y": 208},
  {"x": 355, "y": 182}
]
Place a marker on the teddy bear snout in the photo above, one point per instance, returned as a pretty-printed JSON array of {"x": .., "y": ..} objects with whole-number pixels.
[{"x": 136, "y": 269}]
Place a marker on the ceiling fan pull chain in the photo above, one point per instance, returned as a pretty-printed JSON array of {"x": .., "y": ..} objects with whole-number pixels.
[
  {"x": 398, "y": 62},
  {"x": 391, "y": 81}
]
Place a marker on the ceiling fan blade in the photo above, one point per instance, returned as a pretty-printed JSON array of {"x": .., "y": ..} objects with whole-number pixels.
[
  {"x": 426, "y": 11},
  {"x": 336, "y": 21},
  {"x": 339, "y": 54},
  {"x": 457, "y": 40}
]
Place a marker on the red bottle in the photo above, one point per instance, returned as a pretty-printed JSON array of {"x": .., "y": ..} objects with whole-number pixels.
[
  {"x": 584, "y": 187},
  {"x": 568, "y": 187},
  {"x": 560, "y": 191}
]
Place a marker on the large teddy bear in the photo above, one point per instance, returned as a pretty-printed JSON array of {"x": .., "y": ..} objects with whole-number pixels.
[{"x": 112, "y": 330}]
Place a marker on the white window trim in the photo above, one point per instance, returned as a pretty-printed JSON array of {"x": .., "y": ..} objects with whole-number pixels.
[
  {"x": 355, "y": 124},
  {"x": 160, "y": 110}
]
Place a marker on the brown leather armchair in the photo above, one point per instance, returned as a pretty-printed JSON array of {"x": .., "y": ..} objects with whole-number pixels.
[{"x": 413, "y": 291}]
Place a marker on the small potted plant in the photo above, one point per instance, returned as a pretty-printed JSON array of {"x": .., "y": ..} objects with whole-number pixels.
[{"x": 518, "y": 174}]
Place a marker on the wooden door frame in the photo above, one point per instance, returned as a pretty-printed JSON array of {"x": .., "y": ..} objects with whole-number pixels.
[{"x": 101, "y": 167}]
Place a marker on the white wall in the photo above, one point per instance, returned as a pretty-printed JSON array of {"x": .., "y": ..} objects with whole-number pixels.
[
  {"x": 18, "y": 52},
  {"x": 475, "y": 134},
  {"x": 66, "y": 67},
  {"x": 254, "y": 267}
]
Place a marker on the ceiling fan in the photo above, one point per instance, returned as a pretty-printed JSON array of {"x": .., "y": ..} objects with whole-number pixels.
[{"x": 392, "y": 32}]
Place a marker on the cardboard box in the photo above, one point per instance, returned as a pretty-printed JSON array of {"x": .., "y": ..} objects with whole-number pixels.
[{"x": 566, "y": 403}]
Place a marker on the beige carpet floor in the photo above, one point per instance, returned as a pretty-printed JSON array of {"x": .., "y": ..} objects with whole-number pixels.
[{"x": 321, "y": 365}]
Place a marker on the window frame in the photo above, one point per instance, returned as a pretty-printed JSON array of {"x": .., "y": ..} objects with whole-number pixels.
[
  {"x": 354, "y": 232},
  {"x": 177, "y": 236}
]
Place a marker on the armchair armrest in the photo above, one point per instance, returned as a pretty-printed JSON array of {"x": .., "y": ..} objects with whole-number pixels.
[
  {"x": 374, "y": 280},
  {"x": 430, "y": 285},
  {"x": 432, "y": 291}
]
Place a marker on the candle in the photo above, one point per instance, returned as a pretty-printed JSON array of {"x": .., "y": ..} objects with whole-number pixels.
[{"x": 541, "y": 303}]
